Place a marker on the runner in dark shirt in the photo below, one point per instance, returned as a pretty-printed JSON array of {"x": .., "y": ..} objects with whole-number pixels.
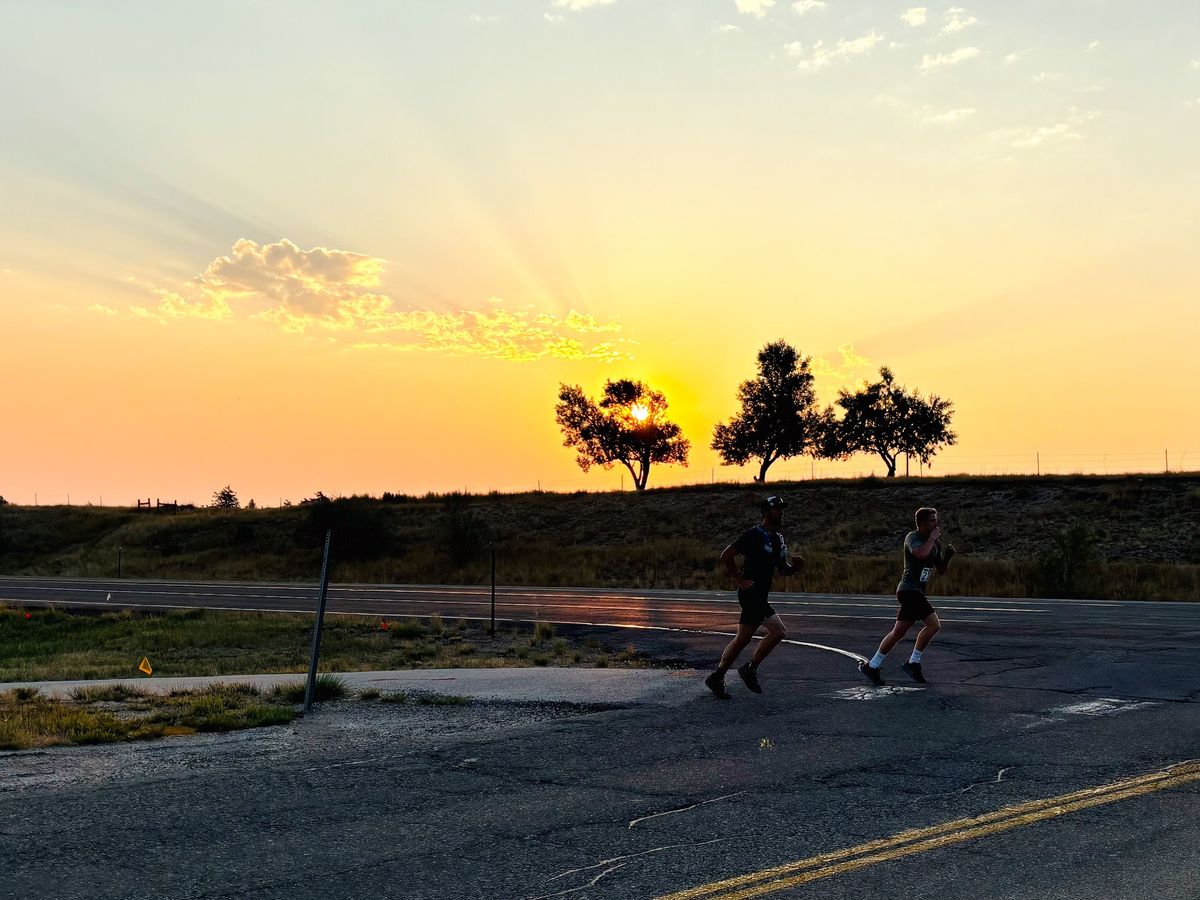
[
  {"x": 763, "y": 552},
  {"x": 923, "y": 556}
]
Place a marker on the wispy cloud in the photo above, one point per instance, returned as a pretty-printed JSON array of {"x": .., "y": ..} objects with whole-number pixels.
[
  {"x": 929, "y": 62},
  {"x": 1069, "y": 129},
  {"x": 756, "y": 8},
  {"x": 477, "y": 19},
  {"x": 848, "y": 370},
  {"x": 102, "y": 309},
  {"x": 950, "y": 116},
  {"x": 805, "y": 6},
  {"x": 1014, "y": 56},
  {"x": 957, "y": 19},
  {"x": 337, "y": 292},
  {"x": 819, "y": 55},
  {"x": 917, "y": 15},
  {"x": 729, "y": 29},
  {"x": 1094, "y": 45},
  {"x": 576, "y": 5}
]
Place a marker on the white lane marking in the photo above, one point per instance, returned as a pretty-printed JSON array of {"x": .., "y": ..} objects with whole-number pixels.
[
  {"x": 413, "y": 615},
  {"x": 417, "y": 595},
  {"x": 1104, "y": 706},
  {"x": 873, "y": 693}
]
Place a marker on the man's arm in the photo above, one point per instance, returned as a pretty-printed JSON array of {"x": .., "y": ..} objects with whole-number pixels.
[
  {"x": 728, "y": 558},
  {"x": 926, "y": 548},
  {"x": 946, "y": 557}
]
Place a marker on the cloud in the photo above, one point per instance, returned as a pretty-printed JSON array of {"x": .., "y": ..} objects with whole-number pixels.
[
  {"x": 1093, "y": 46},
  {"x": 1194, "y": 65},
  {"x": 477, "y": 19},
  {"x": 957, "y": 19},
  {"x": 1061, "y": 132},
  {"x": 849, "y": 370},
  {"x": 102, "y": 309},
  {"x": 728, "y": 29},
  {"x": 950, "y": 116},
  {"x": 554, "y": 17},
  {"x": 918, "y": 15},
  {"x": 1046, "y": 76},
  {"x": 1014, "y": 56},
  {"x": 337, "y": 292},
  {"x": 756, "y": 8},
  {"x": 803, "y": 6},
  {"x": 820, "y": 55},
  {"x": 576, "y": 5},
  {"x": 948, "y": 59}
]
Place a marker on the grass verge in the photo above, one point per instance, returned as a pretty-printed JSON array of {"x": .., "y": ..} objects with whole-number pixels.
[
  {"x": 57, "y": 645},
  {"x": 106, "y": 715}
]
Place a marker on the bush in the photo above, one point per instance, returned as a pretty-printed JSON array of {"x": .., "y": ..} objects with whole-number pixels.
[
  {"x": 1070, "y": 564},
  {"x": 360, "y": 528},
  {"x": 463, "y": 534}
]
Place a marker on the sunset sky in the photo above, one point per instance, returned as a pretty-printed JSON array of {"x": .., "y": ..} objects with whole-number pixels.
[{"x": 355, "y": 247}]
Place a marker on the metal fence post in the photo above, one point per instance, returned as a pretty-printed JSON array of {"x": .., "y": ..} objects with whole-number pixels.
[
  {"x": 492, "y": 632},
  {"x": 120, "y": 553},
  {"x": 310, "y": 688}
]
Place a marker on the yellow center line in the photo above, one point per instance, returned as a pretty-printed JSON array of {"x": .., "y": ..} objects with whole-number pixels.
[{"x": 838, "y": 862}]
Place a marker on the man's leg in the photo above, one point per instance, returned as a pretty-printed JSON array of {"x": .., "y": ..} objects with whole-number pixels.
[
  {"x": 775, "y": 633},
  {"x": 913, "y": 667},
  {"x": 932, "y": 626},
  {"x": 890, "y": 640},
  {"x": 716, "y": 681},
  {"x": 745, "y": 634}
]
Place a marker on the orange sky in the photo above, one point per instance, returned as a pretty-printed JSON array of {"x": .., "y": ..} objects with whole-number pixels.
[{"x": 371, "y": 273}]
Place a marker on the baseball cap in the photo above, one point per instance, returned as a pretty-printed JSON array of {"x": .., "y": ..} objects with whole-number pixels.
[{"x": 772, "y": 502}]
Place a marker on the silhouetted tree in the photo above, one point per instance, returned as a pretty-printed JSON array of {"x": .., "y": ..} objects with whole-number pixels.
[
  {"x": 779, "y": 417},
  {"x": 884, "y": 419},
  {"x": 226, "y": 498},
  {"x": 627, "y": 426},
  {"x": 251, "y": 504}
]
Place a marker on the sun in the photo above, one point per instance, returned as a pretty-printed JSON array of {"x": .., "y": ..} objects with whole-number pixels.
[{"x": 639, "y": 412}]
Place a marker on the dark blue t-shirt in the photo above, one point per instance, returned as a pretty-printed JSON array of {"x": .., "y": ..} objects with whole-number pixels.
[{"x": 763, "y": 553}]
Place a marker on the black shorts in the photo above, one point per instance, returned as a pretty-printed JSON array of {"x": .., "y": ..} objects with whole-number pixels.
[
  {"x": 755, "y": 609},
  {"x": 914, "y": 606}
]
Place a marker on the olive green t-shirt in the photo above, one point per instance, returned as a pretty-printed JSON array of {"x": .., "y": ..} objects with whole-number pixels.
[{"x": 918, "y": 572}]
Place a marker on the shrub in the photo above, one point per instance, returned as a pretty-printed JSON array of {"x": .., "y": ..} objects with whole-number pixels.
[
  {"x": 463, "y": 534},
  {"x": 1070, "y": 564}
]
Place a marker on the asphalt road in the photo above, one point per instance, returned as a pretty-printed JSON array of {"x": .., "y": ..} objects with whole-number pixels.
[{"x": 1068, "y": 726}]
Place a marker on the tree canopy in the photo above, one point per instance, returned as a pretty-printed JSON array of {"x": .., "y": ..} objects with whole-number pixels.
[
  {"x": 628, "y": 425},
  {"x": 884, "y": 419},
  {"x": 779, "y": 417}
]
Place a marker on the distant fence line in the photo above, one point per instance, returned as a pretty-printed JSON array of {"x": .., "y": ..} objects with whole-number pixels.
[{"x": 617, "y": 478}]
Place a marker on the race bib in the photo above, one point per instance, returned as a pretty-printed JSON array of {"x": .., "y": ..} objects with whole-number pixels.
[{"x": 926, "y": 574}]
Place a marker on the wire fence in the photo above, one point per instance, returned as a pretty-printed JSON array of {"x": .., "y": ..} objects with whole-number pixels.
[
  {"x": 959, "y": 464},
  {"x": 952, "y": 463}
]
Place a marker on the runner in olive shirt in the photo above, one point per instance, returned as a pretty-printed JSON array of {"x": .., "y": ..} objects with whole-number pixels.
[
  {"x": 763, "y": 551},
  {"x": 923, "y": 556}
]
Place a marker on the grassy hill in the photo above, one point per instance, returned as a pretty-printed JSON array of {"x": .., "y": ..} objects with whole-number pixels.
[{"x": 1134, "y": 537}]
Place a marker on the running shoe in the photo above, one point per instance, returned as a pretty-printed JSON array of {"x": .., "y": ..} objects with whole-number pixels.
[
  {"x": 750, "y": 677},
  {"x": 716, "y": 684},
  {"x": 914, "y": 672},
  {"x": 871, "y": 672}
]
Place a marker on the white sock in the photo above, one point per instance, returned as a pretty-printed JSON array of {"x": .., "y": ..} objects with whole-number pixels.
[
  {"x": 876, "y": 660},
  {"x": 916, "y": 657}
]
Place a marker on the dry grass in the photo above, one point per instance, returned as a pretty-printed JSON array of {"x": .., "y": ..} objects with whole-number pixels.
[
  {"x": 849, "y": 530},
  {"x": 54, "y": 645},
  {"x": 105, "y": 716}
]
